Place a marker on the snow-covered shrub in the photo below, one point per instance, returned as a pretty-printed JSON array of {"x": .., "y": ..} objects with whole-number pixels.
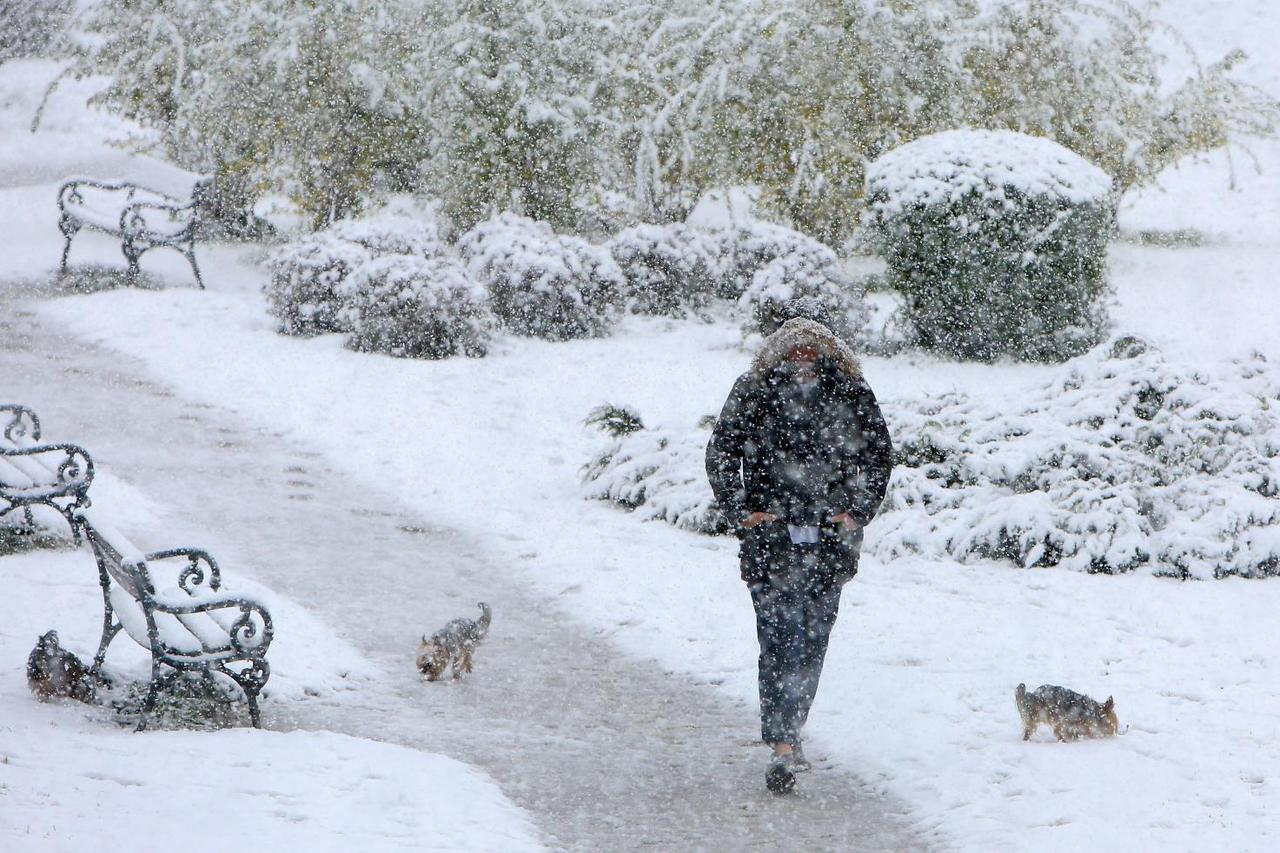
[
  {"x": 541, "y": 283},
  {"x": 656, "y": 473},
  {"x": 748, "y": 247},
  {"x": 805, "y": 282},
  {"x": 309, "y": 286},
  {"x": 390, "y": 233},
  {"x": 616, "y": 421},
  {"x": 1124, "y": 460},
  {"x": 417, "y": 307},
  {"x": 307, "y": 289},
  {"x": 28, "y": 26},
  {"x": 670, "y": 269},
  {"x": 997, "y": 241}
]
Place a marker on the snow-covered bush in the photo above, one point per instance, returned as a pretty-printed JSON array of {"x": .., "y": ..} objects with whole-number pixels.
[
  {"x": 805, "y": 282},
  {"x": 670, "y": 269},
  {"x": 541, "y": 283},
  {"x": 307, "y": 290},
  {"x": 1123, "y": 461},
  {"x": 310, "y": 277},
  {"x": 418, "y": 307},
  {"x": 390, "y": 233},
  {"x": 656, "y": 473},
  {"x": 997, "y": 241},
  {"x": 749, "y": 246},
  {"x": 28, "y": 26}
]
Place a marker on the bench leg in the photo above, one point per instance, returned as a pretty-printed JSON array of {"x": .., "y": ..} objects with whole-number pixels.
[
  {"x": 109, "y": 630},
  {"x": 153, "y": 693},
  {"x": 66, "y": 250},
  {"x": 131, "y": 254},
  {"x": 191, "y": 256}
]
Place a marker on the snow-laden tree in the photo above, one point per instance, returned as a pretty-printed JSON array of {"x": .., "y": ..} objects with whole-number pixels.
[
  {"x": 509, "y": 86},
  {"x": 307, "y": 97},
  {"x": 1086, "y": 73},
  {"x": 27, "y": 27},
  {"x": 596, "y": 114}
]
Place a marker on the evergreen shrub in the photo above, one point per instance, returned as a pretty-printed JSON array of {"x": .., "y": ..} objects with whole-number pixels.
[
  {"x": 410, "y": 306},
  {"x": 670, "y": 269},
  {"x": 540, "y": 283},
  {"x": 997, "y": 242},
  {"x": 806, "y": 282}
]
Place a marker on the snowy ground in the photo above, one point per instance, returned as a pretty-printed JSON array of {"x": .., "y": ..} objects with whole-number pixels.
[{"x": 917, "y": 697}]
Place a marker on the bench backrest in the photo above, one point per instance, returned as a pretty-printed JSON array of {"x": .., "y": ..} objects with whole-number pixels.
[{"x": 127, "y": 570}]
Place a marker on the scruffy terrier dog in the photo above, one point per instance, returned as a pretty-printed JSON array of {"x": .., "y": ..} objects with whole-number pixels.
[
  {"x": 452, "y": 646},
  {"x": 1071, "y": 715},
  {"x": 54, "y": 671}
]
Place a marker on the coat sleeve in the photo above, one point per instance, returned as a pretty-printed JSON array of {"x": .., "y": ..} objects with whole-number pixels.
[
  {"x": 866, "y": 495},
  {"x": 725, "y": 449}
]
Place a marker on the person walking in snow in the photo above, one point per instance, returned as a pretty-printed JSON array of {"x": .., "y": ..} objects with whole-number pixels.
[{"x": 799, "y": 459}]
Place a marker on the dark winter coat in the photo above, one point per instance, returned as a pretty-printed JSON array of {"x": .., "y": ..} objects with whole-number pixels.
[{"x": 802, "y": 457}]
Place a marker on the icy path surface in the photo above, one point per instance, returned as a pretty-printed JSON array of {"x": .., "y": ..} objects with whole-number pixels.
[{"x": 604, "y": 752}]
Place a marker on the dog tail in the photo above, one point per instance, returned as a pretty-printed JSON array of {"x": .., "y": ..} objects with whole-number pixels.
[
  {"x": 486, "y": 616},
  {"x": 1020, "y": 696}
]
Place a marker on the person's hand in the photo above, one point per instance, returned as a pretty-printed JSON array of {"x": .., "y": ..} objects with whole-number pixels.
[
  {"x": 757, "y": 518},
  {"x": 846, "y": 522}
]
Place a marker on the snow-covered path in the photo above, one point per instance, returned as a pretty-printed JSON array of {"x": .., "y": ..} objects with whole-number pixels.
[{"x": 604, "y": 752}]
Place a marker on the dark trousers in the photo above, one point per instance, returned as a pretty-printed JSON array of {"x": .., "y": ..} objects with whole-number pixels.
[{"x": 796, "y": 604}]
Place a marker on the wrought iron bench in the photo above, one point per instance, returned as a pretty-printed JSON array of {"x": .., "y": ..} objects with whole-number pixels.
[
  {"x": 171, "y": 603},
  {"x": 143, "y": 219},
  {"x": 34, "y": 474}
]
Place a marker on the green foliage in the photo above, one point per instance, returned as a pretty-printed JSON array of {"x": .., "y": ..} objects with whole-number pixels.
[
  {"x": 616, "y": 421},
  {"x": 593, "y": 114},
  {"x": 993, "y": 269}
]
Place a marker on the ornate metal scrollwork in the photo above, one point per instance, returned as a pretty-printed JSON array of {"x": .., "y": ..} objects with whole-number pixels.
[
  {"x": 246, "y": 629},
  {"x": 23, "y": 424}
]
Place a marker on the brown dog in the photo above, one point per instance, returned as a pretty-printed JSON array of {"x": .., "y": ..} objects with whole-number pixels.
[
  {"x": 453, "y": 645},
  {"x": 1071, "y": 715},
  {"x": 53, "y": 671}
]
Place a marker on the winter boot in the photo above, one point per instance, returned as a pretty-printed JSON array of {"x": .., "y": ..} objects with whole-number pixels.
[{"x": 781, "y": 775}]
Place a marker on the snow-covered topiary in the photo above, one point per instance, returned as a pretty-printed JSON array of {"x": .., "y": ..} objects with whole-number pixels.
[
  {"x": 389, "y": 233},
  {"x": 806, "y": 281},
  {"x": 307, "y": 289},
  {"x": 748, "y": 247},
  {"x": 1123, "y": 461},
  {"x": 410, "y": 306},
  {"x": 997, "y": 241},
  {"x": 309, "y": 286},
  {"x": 541, "y": 283},
  {"x": 670, "y": 269}
]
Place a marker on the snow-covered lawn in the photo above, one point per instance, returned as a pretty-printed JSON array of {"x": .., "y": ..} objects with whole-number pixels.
[{"x": 918, "y": 694}]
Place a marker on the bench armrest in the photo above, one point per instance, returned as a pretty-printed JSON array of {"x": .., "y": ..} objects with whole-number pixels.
[
  {"x": 201, "y": 575},
  {"x": 20, "y": 424}
]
